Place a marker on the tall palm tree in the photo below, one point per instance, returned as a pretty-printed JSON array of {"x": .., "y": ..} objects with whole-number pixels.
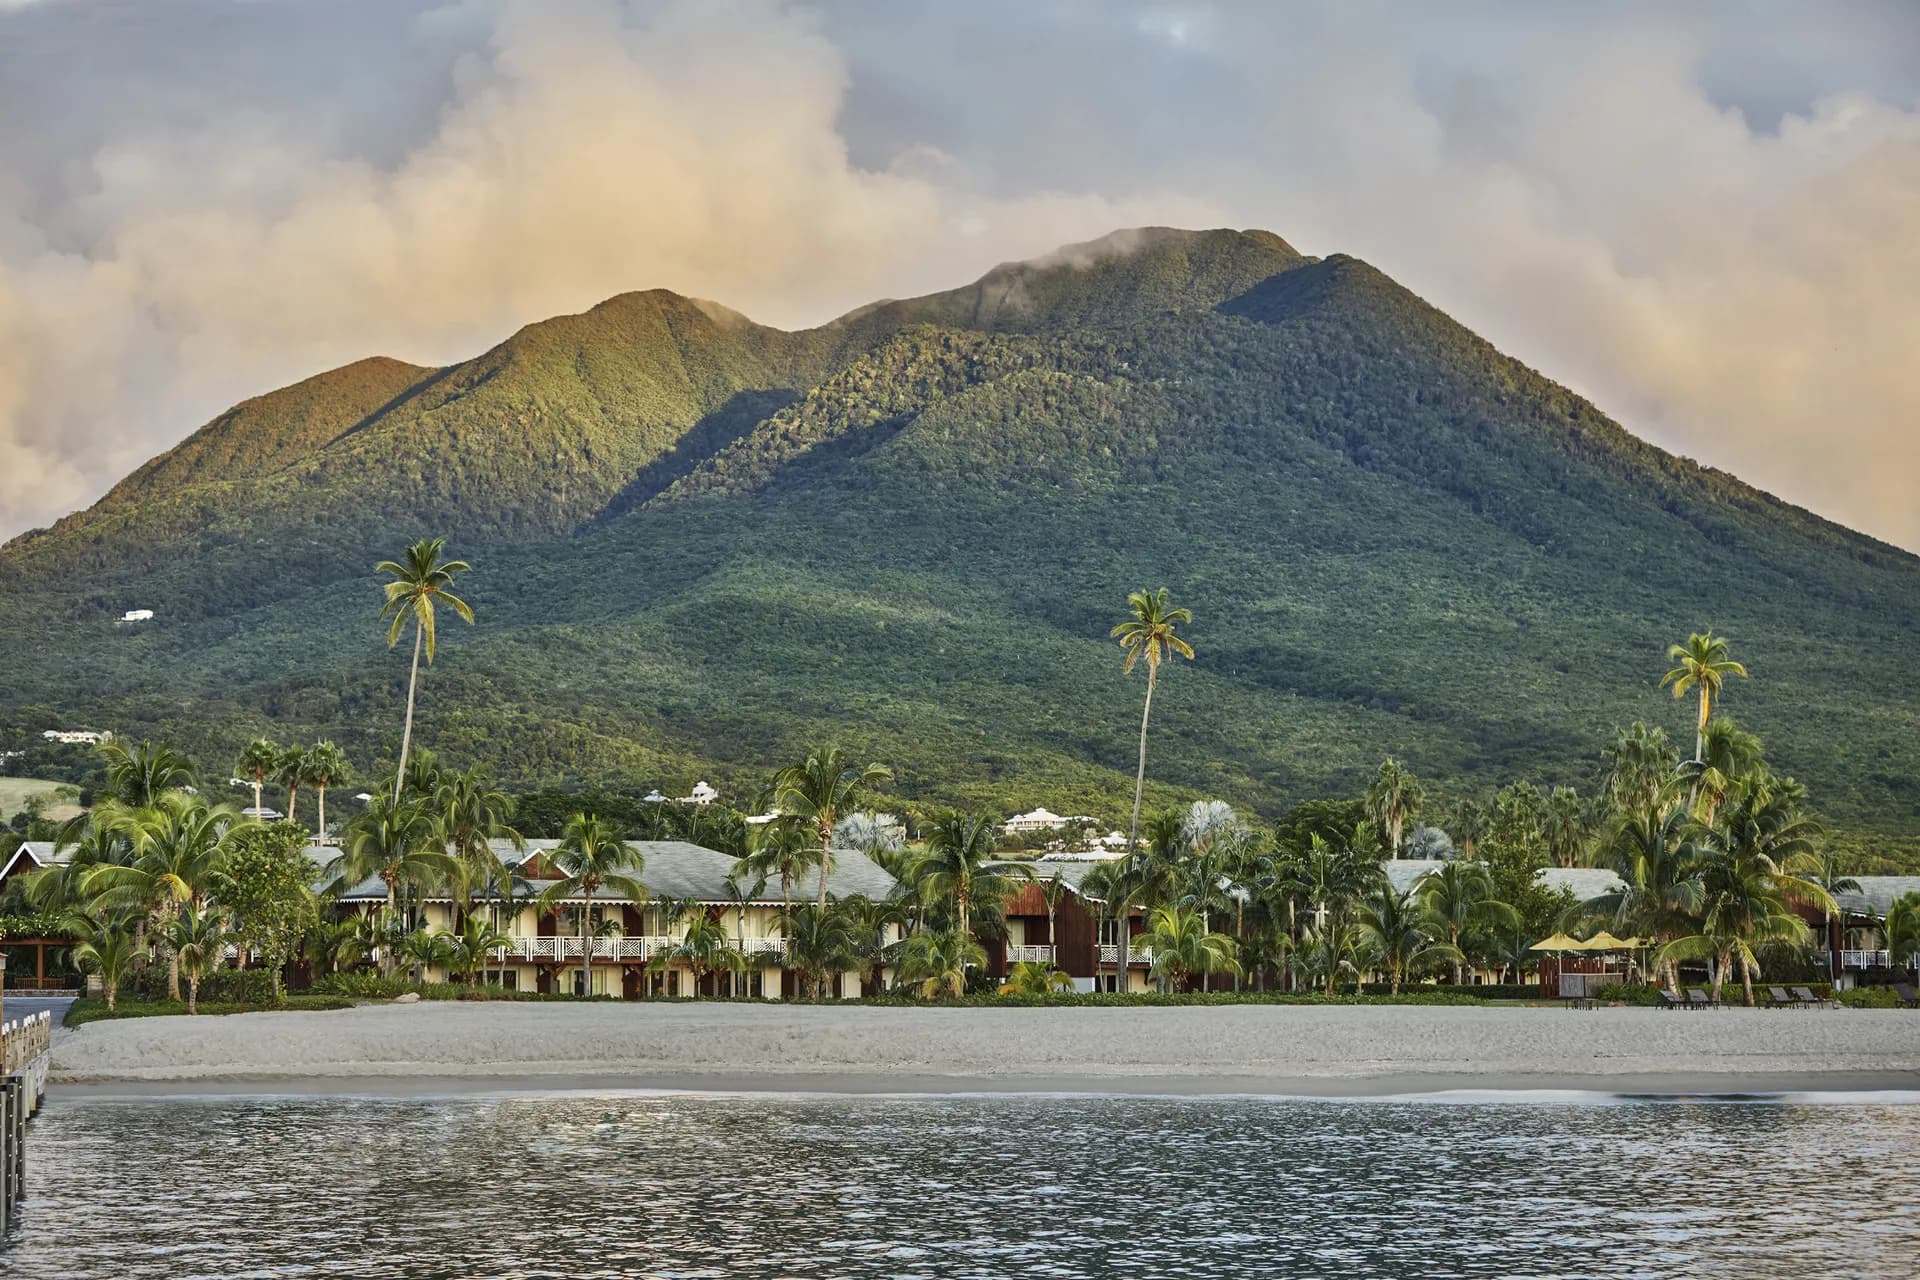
[
  {"x": 1149, "y": 634},
  {"x": 957, "y": 866},
  {"x": 1054, "y": 890},
  {"x": 421, "y": 582},
  {"x": 1640, "y": 768},
  {"x": 326, "y": 766},
  {"x": 1729, "y": 757},
  {"x": 1659, "y": 895},
  {"x": 398, "y": 845},
  {"x": 1903, "y": 930},
  {"x": 197, "y": 938},
  {"x": 820, "y": 943},
  {"x": 1701, "y": 665},
  {"x": 258, "y": 762},
  {"x": 819, "y": 790},
  {"x": 290, "y": 772},
  {"x": 1458, "y": 897},
  {"x": 1568, "y": 827},
  {"x": 702, "y": 947},
  {"x": 781, "y": 849},
  {"x": 1393, "y": 801},
  {"x": 590, "y": 857},
  {"x": 1469, "y": 824}
]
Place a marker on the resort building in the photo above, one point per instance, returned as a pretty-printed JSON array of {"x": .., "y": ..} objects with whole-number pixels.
[
  {"x": 628, "y": 939},
  {"x": 37, "y": 961},
  {"x": 75, "y": 737}
]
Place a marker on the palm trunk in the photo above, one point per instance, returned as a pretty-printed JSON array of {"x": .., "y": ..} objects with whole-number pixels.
[
  {"x": 386, "y": 951},
  {"x": 586, "y": 947},
  {"x": 256, "y": 795},
  {"x": 1746, "y": 981},
  {"x": 1140, "y": 774},
  {"x": 293, "y": 804},
  {"x": 826, "y": 853},
  {"x": 321, "y": 794},
  {"x": 193, "y": 995},
  {"x": 406, "y": 735},
  {"x": 1700, "y": 731}
]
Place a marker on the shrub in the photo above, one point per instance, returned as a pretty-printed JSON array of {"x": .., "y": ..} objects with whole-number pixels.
[
  {"x": 360, "y": 985},
  {"x": 1868, "y": 998},
  {"x": 1620, "y": 993},
  {"x": 237, "y": 986},
  {"x": 1485, "y": 991},
  {"x": 94, "y": 1009}
]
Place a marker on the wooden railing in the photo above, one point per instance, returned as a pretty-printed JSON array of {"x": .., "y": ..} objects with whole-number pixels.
[
  {"x": 556, "y": 950},
  {"x": 25, "y": 1041},
  {"x": 1029, "y": 954}
]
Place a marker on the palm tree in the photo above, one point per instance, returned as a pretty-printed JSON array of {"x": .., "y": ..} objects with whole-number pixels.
[
  {"x": 428, "y": 949},
  {"x": 474, "y": 944},
  {"x": 1659, "y": 895},
  {"x": 1568, "y": 826},
  {"x": 1029, "y": 978},
  {"x": 326, "y": 766},
  {"x": 471, "y": 815},
  {"x": 258, "y": 762},
  {"x": 820, "y": 942},
  {"x": 703, "y": 948},
  {"x": 1149, "y": 634},
  {"x": 290, "y": 772},
  {"x": 1054, "y": 890},
  {"x": 1393, "y": 801},
  {"x": 1397, "y": 935},
  {"x": 1730, "y": 755},
  {"x": 1469, "y": 824},
  {"x": 1701, "y": 665},
  {"x": 935, "y": 964},
  {"x": 783, "y": 849},
  {"x": 197, "y": 938},
  {"x": 958, "y": 866},
  {"x": 870, "y": 925},
  {"x": 1457, "y": 897},
  {"x": 106, "y": 946},
  {"x": 178, "y": 845},
  {"x": 1903, "y": 930},
  {"x": 819, "y": 791},
  {"x": 1184, "y": 946},
  {"x": 590, "y": 857},
  {"x": 396, "y": 844},
  {"x": 1640, "y": 768},
  {"x": 334, "y": 943},
  {"x": 139, "y": 776},
  {"x": 421, "y": 581},
  {"x": 1330, "y": 948}
]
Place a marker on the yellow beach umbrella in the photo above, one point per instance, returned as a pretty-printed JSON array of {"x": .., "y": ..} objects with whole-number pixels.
[
  {"x": 1558, "y": 942},
  {"x": 1604, "y": 941}
]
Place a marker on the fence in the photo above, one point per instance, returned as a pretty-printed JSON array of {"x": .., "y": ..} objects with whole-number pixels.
[{"x": 24, "y": 1049}]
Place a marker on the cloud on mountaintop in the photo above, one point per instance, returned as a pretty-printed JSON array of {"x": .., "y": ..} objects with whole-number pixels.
[{"x": 1716, "y": 240}]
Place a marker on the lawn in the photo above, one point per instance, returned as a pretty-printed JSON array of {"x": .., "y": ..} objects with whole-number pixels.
[{"x": 15, "y": 792}]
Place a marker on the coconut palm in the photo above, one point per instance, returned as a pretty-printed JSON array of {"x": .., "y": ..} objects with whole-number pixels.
[
  {"x": 1903, "y": 930},
  {"x": 958, "y": 867},
  {"x": 138, "y": 776},
  {"x": 872, "y": 925},
  {"x": 258, "y": 762},
  {"x": 1469, "y": 823},
  {"x": 1659, "y": 896},
  {"x": 703, "y": 947},
  {"x": 425, "y": 949},
  {"x": 1730, "y": 756},
  {"x": 1398, "y": 938},
  {"x": 289, "y": 773},
  {"x": 1029, "y": 978},
  {"x": 818, "y": 791},
  {"x": 336, "y": 944},
  {"x": 1149, "y": 634},
  {"x": 471, "y": 815},
  {"x": 1701, "y": 666},
  {"x": 1184, "y": 947},
  {"x": 782, "y": 849},
  {"x": 473, "y": 945},
  {"x": 325, "y": 766},
  {"x": 197, "y": 939},
  {"x": 590, "y": 857},
  {"x": 1458, "y": 897},
  {"x": 422, "y": 581},
  {"x": 398, "y": 844},
  {"x": 1393, "y": 801},
  {"x": 178, "y": 845},
  {"x": 820, "y": 943},
  {"x": 935, "y": 963},
  {"x": 1332, "y": 947},
  {"x": 106, "y": 946},
  {"x": 1054, "y": 890},
  {"x": 1569, "y": 825}
]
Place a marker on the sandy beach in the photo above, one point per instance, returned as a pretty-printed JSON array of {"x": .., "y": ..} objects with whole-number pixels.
[{"x": 1339, "y": 1050}]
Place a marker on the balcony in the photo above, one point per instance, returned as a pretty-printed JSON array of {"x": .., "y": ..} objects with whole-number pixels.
[
  {"x": 1863, "y": 959},
  {"x": 1141, "y": 955},
  {"x": 1029, "y": 955},
  {"x": 558, "y": 950}
]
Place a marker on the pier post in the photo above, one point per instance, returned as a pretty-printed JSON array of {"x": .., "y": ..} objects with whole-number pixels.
[{"x": 13, "y": 1165}]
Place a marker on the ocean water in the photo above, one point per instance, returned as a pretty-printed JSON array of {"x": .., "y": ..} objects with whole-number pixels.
[{"x": 686, "y": 1186}]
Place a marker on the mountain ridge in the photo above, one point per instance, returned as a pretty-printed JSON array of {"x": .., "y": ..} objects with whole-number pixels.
[{"x": 702, "y": 541}]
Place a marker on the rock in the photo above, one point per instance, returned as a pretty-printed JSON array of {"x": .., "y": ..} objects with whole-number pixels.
[{"x": 407, "y": 997}]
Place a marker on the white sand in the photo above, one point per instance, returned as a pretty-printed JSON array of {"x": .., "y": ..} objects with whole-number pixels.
[{"x": 1251, "y": 1049}]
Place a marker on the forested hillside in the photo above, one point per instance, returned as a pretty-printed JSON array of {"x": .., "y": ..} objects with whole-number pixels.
[{"x": 700, "y": 543}]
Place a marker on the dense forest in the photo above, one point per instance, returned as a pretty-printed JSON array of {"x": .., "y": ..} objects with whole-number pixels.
[{"x": 700, "y": 544}]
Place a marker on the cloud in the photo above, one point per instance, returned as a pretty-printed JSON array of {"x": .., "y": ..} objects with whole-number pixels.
[{"x": 222, "y": 198}]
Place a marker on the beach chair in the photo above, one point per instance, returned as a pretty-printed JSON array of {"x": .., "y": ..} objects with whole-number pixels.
[
  {"x": 1671, "y": 1000},
  {"x": 1781, "y": 999},
  {"x": 1699, "y": 999},
  {"x": 1806, "y": 996}
]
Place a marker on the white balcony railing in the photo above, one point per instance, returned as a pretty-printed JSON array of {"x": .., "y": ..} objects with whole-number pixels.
[
  {"x": 1026, "y": 954},
  {"x": 1109, "y": 950},
  {"x": 1862, "y": 959},
  {"x": 631, "y": 947}
]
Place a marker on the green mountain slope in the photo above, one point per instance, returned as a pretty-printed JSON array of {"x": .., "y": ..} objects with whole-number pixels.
[{"x": 703, "y": 543}]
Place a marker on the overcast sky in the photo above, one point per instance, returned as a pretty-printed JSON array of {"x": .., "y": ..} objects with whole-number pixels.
[{"x": 1704, "y": 217}]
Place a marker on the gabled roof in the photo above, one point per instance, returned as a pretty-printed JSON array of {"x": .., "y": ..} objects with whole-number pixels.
[
  {"x": 673, "y": 869},
  {"x": 1584, "y": 882},
  {"x": 35, "y": 854},
  {"x": 1876, "y": 894}
]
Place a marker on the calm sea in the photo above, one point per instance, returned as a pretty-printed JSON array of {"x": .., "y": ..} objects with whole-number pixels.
[{"x": 680, "y": 1186}]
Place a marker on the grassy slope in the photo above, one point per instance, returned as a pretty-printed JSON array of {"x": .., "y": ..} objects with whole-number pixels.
[{"x": 1393, "y": 537}]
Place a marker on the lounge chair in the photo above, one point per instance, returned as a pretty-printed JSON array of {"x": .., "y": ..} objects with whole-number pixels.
[
  {"x": 1780, "y": 998},
  {"x": 1806, "y": 996},
  {"x": 1905, "y": 996},
  {"x": 1672, "y": 1000},
  {"x": 1699, "y": 998}
]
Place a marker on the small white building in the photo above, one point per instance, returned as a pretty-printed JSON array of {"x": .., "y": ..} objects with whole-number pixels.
[
  {"x": 136, "y": 615},
  {"x": 702, "y": 794},
  {"x": 74, "y": 737},
  {"x": 1038, "y": 820}
]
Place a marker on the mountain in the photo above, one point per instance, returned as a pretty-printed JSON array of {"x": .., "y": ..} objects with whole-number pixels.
[{"x": 701, "y": 543}]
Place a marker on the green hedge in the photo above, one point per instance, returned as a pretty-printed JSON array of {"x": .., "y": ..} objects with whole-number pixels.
[
  {"x": 1483, "y": 991},
  {"x": 94, "y": 1008}
]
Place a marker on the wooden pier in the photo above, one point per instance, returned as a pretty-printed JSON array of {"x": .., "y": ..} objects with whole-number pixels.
[{"x": 25, "y": 1047}]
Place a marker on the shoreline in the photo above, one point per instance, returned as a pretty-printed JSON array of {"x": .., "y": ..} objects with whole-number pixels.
[{"x": 1861, "y": 1086}]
